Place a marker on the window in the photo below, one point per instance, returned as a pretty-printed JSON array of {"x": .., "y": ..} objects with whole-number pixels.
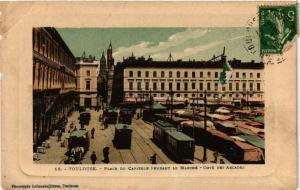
[
  {"x": 251, "y": 75},
  {"x": 201, "y": 86},
  {"x": 244, "y": 75},
  {"x": 170, "y": 74},
  {"x": 251, "y": 86},
  {"x": 130, "y": 85},
  {"x": 170, "y": 86},
  {"x": 193, "y": 74},
  {"x": 208, "y": 74},
  {"x": 237, "y": 86},
  {"x": 146, "y": 85},
  {"x": 230, "y": 86},
  {"x": 201, "y": 74},
  {"x": 130, "y": 73},
  {"x": 162, "y": 95},
  {"x": 139, "y": 86},
  {"x": 193, "y": 85},
  {"x": 208, "y": 86},
  {"x": 154, "y": 74},
  {"x": 244, "y": 86},
  {"x": 258, "y": 86},
  {"x": 139, "y": 73},
  {"x": 216, "y": 74},
  {"x": 88, "y": 73},
  {"x": 186, "y": 86},
  {"x": 147, "y": 74},
  {"x": 178, "y": 86},
  {"x": 178, "y": 74},
  {"x": 258, "y": 75},
  {"x": 216, "y": 86},
  {"x": 154, "y": 86},
  {"x": 87, "y": 85},
  {"x": 177, "y": 95},
  {"x": 237, "y": 74},
  {"x": 162, "y": 74},
  {"x": 185, "y": 95},
  {"x": 162, "y": 86},
  {"x": 186, "y": 74},
  {"x": 223, "y": 88}
]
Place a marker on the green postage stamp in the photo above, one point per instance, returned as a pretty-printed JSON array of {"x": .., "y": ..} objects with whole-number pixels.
[{"x": 277, "y": 26}]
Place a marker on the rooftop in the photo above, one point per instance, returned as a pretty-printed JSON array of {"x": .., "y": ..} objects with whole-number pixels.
[
  {"x": 150, "y": 63},
  {"x": 179, "y": 136}
]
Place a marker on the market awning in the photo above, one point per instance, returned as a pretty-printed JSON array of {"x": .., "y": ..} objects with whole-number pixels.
[{"x": 254, "y": 140}]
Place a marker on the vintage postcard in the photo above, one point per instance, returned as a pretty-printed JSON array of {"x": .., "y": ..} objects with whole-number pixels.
[{"x": 156, "y": 95}]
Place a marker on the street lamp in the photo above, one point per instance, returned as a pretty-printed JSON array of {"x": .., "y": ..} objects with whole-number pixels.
[
  {"x": 205, "y": 126},
  {"x": 193, "y": 108},
  {"x": 171, "y": 93},
  {"x": 169, "y": 104}
]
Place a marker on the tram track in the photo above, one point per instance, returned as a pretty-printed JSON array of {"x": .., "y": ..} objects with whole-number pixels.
[
  {"x": 112, "y": 133},
  {"x": 120, "y": 151},
  {"x": 139, "y": 133}
]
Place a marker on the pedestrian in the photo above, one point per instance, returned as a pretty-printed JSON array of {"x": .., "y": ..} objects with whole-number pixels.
[
  {"x": 216, "y": 154},
  {"x": 153, "y": 159},
  {"x": 93, "y": 132},
  {"x": 93, "y": 157},
  {"x": 106, "y": 154},
  {"x": 59, "y": 134}
]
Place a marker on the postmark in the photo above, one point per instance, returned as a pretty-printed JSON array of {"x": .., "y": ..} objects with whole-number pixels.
[
  {"x": 252, "y": 43},
  {"x": 277, "y": 27}
]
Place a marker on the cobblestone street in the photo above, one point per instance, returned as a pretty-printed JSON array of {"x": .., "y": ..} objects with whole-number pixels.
[{"x": 142, "y": 146}]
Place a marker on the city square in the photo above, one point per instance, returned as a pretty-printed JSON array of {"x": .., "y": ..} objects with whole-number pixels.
[{"x": 143, "y": 110}]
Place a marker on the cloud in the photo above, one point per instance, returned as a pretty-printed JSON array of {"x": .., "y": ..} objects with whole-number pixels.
[
  {"x": 180, "y": 43},
  {"x": 147, "y": 48}
]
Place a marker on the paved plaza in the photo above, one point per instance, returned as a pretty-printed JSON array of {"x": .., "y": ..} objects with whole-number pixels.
[{"x": 142, "y": 147}]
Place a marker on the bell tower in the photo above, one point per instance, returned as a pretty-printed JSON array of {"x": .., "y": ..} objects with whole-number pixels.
[{"x": 110, "y": 59}]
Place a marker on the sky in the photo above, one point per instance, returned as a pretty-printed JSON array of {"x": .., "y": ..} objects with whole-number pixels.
[{"x": 183, "y": 43}]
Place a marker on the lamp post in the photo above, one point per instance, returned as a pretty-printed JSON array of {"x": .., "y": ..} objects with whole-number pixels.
[
  {"x": 193, "y": 108},
  {"x": 168, "y": 103},
  {"x": 171, "y": 93},
  {"x": 197, "y": 98},
  {"x": 205, "y": 126}
]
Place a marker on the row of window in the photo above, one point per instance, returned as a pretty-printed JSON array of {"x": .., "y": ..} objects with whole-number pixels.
[
  {"x": 45, "y": 77},
  {"x": 193, "y": 86},
  {"x": 48, "y": 48},
  {"x": 178, "y": 95},
  {"x": 186, "y": 74}
]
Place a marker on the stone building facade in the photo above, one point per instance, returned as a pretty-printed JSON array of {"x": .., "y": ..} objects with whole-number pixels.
[
  {"x": 188, "y": 80},
  {"x": 54, "y": 82},
  {"x": 87, "y": 73}
]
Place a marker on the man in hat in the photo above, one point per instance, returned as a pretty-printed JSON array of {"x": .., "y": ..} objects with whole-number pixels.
[{"x": 93, "y": 157}]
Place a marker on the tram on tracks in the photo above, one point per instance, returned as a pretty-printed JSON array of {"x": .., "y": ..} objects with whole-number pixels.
[
  {"x": 175, "y": 143},
  {"x": 123, "y": 133}
]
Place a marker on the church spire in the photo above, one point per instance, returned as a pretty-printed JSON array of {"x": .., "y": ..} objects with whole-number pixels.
[{"x": 110, "y": 46}]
